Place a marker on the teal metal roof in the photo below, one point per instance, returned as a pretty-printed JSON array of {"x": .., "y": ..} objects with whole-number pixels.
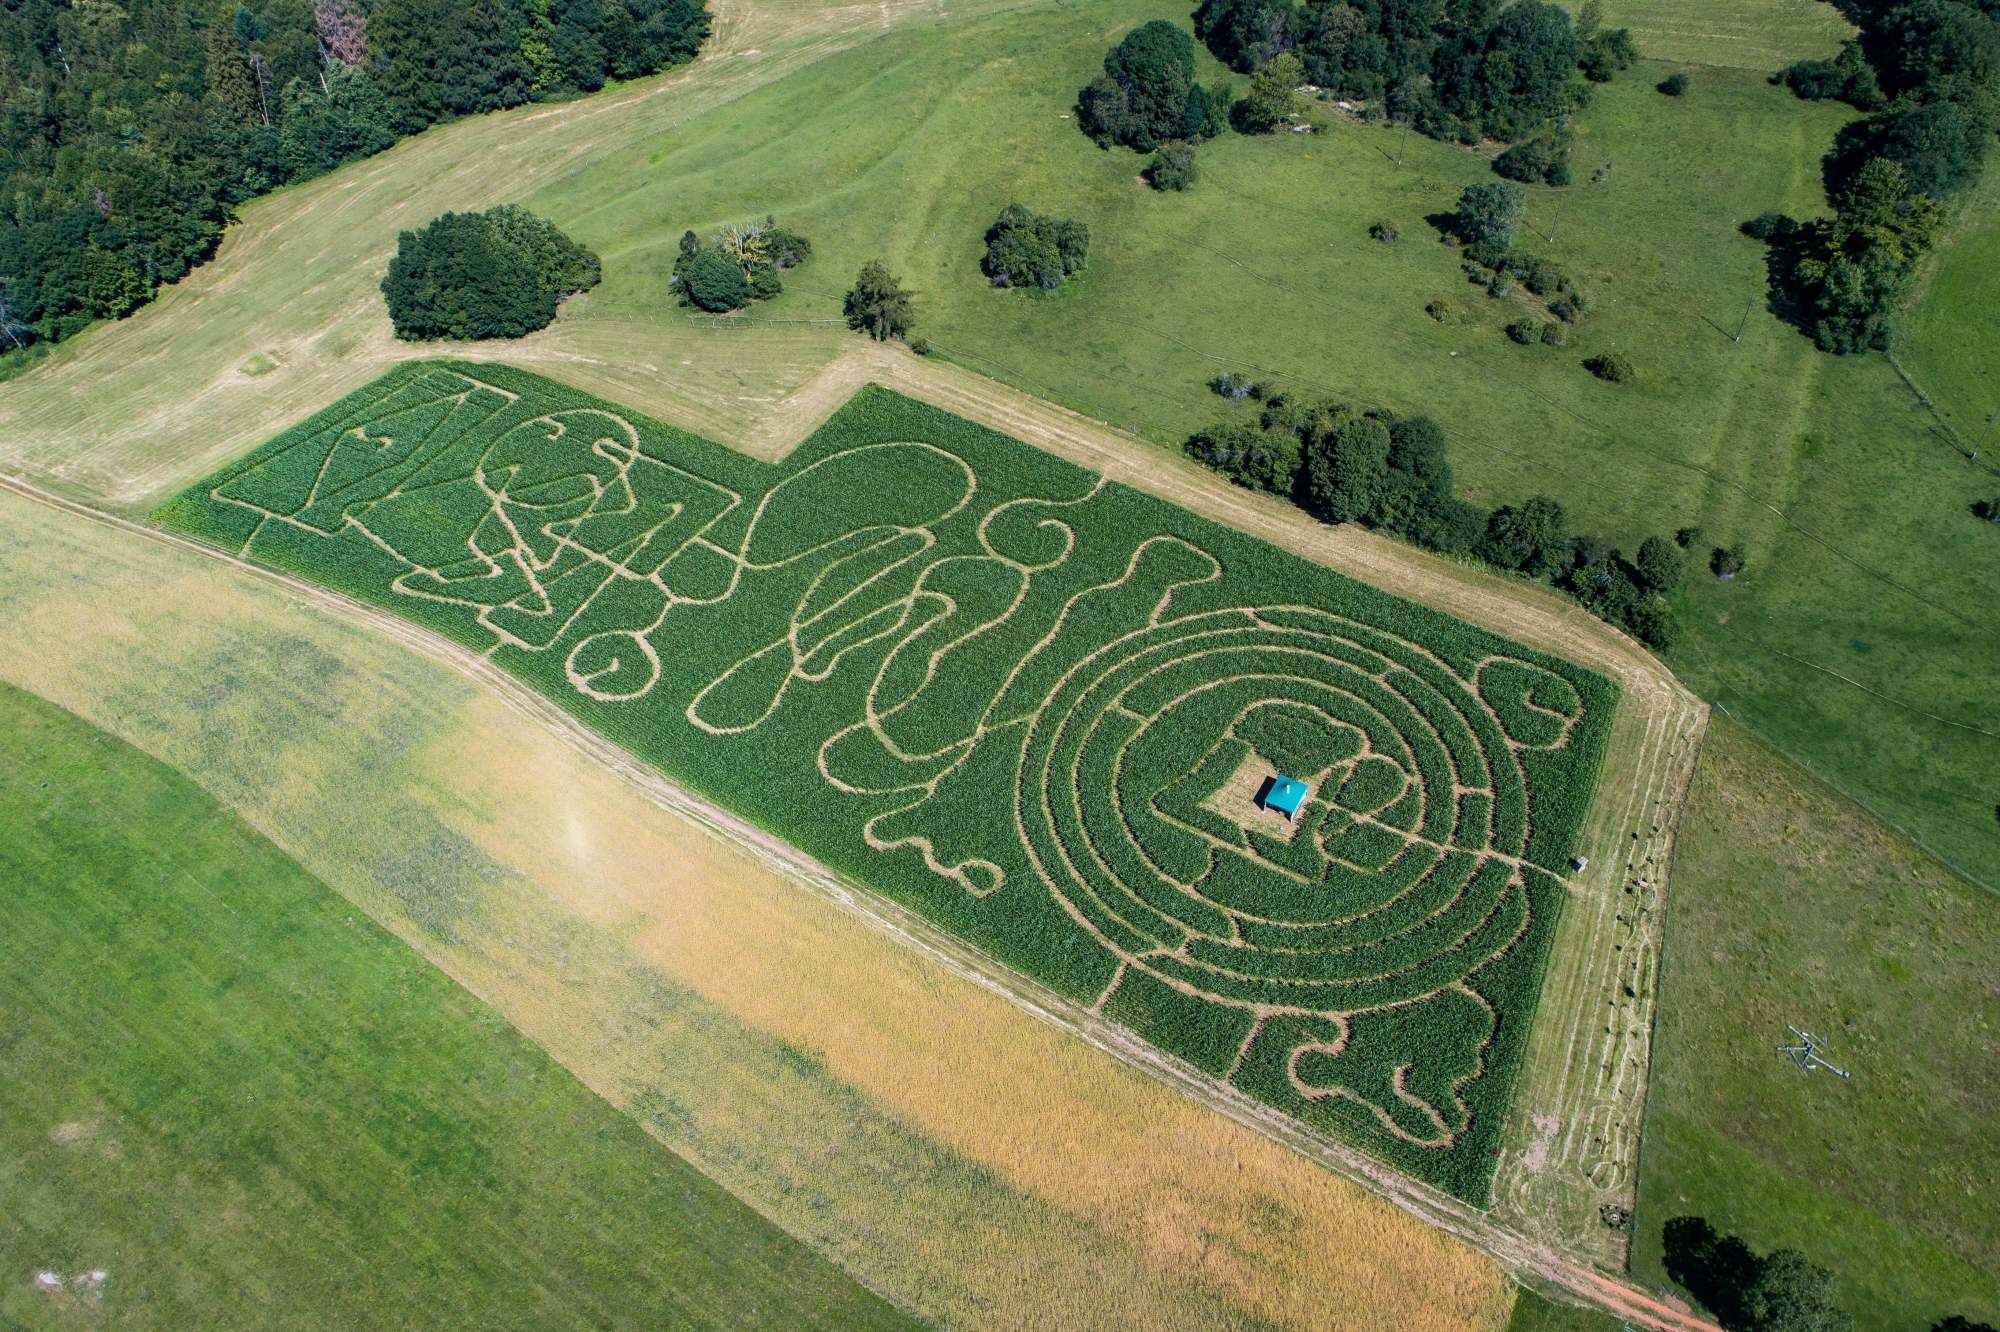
[{"x": 1286, "y": 795}]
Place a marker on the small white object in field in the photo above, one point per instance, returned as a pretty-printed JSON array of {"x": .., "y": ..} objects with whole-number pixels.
[
  {"x": 1063, "y": 116},
  {"x": 1581, "y": 862},
  {"x": 1347, "y": 106},
  {"x": 1454, "y": 353},
  {"x": 48, "y": 1280}
]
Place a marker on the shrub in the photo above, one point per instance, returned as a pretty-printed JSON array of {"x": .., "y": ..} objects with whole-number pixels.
[
  {"x": 1525, "y": 331},
  {"x": 1606, "y": 53},
  {"x": 715, "y": 283},
  {"x": 1553, "y": 335},
  {"x": 1441, "y": 310},
  {"x": 1846, "y": 77},
  {"x": 1570, "y": 306},
  {"x": 1231, "y": 385},
  {"x": 1611, "y": 367},
  {"x": 1383, "y": 230},
  {"x": 1674, "y": 85},
  {"x": 1688, "y": 538},
  {"x": 877, "y": 303},
  {"x": 1256, "y": 459},
  {"x": 1024, "y": 248},
  {"x": 497, "y": 274},
  {"x": 1173, "y": 166},
  {"x": 1545, "y": 279},
  {"x": 1542, "y": 160},
  {"x": 1726, "y": 561},
  {"x": 920, "y": 346}
]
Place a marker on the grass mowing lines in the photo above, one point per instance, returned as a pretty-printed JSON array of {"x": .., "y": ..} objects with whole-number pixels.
[{"x": 1034, "y": 705}]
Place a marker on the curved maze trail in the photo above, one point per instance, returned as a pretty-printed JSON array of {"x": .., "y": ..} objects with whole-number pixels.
[{"x": 1037, "y": 707}]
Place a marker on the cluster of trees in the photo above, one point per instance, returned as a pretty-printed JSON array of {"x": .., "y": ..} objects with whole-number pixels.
[
  {"x": 1455, "y": 69},
  {"x": 740, "y": 264},
  {"x": 1148, "y": 96},
  {"x": 133, "y": 130},
  {"x": 1542, "y": 159},
  {"x": 1484, "y": 224},
  {"x": 497, "y": 274},
  {"x": 1929, "y": 71},
  {"x": 1026, "y": 249},
  {"x": 1391, "y": 473}
]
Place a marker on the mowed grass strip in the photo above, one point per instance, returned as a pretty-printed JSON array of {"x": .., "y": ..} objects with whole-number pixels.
[
  {"x": 249, "y": 1105},
  {"x": 1790, "y": 905}
]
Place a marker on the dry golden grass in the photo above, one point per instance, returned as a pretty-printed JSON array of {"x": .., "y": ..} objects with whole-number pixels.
[{"x": 948, "y": 1148}]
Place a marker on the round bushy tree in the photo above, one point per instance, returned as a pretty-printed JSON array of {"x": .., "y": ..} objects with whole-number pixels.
[
  {"x": 716, "y": 283},
  {"x": 1489, "y": 211},
  {"x": 498, "y": 274},
  {"x": 877, "y": 303}
]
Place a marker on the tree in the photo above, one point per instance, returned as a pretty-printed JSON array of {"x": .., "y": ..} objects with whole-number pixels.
[
  {"x": 1660, "y": 564},
  {"x": 1791, "y": 1294},
  {"x": 1417, "y": 451},
  {"x": 1727, "y": 561},
  {"x": 1533, "y": 538},
  {"x": 1846, "y": 77},
  {"x": 498, "y": 274},
  {"x": 1148, "y": 94},
  {"x": 1489, "y": 211},
  {"x": 1254, "y": 458},
  {"x": 1173, "y": 166},
  {"x": 1273, "y": 96},
  {"x": 341, "y": 120},
  {"x": 1606, "y": 52},
  {"x": 717, "y": 283},
  {"x": 877, "y": 303},
  {"x": 1674, "y": 85}
]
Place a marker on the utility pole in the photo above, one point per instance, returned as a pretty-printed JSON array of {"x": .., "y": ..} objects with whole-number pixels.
[
  {"x": 1560, "y": 196},
  {"x": 1745, "y": 323},
  {"x": 1984, "y": 433},
  {"x": 1400, "y": 142}
]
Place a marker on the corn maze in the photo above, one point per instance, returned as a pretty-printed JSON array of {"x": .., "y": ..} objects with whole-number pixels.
[{"x": 1036, "y": 706}]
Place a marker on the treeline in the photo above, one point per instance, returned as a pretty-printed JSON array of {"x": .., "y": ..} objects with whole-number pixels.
[
  {"x": 1929, "y": 74},
  {"x": 1390, "y": 473},
  {"x": 1454, "y": 69},
  {"x": 132, "y": 131}
]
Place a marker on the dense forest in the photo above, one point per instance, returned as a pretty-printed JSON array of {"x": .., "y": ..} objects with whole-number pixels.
[{"x": 132, "y": 131}]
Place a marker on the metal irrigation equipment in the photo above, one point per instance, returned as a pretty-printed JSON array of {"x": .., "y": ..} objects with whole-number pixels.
[{"x": 1809, "y": 1053}]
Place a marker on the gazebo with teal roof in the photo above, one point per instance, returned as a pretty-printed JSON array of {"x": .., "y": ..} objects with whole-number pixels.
[{"x": 1286, "y": 795}]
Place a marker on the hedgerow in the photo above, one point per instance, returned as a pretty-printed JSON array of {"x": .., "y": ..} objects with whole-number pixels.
[{"x": 1032, "y": 704}]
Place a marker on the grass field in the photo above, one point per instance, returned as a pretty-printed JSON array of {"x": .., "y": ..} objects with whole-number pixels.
[
  {"x": 1951, "y": 346},
  {"x": 245, "y": 1107},
  {"x": 981, "y": 1166},
  {"x": 1762, "y": 37},
  {"x": 1792, "y": 905},
  {"x": 873, "y": 668}
]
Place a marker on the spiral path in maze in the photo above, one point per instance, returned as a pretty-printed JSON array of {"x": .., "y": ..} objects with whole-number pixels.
[{"x": 1038, "y": 707}]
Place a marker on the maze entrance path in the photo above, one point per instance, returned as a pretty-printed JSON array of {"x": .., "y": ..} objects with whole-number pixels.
[{"x": 1006, "y": 692}]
